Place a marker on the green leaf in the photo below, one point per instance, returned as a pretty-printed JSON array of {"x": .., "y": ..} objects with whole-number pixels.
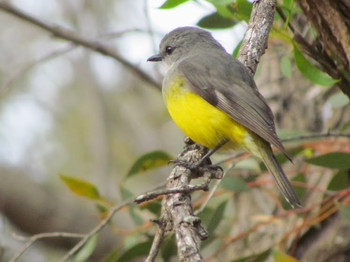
[
  {"x": 338, "y": 160},
  {"x": 86, "y": 251},
  {"x": 339, "y": 181},
  {"x": 221, "y": 2},
  {"x": 279, "y": 256},
  {"x": 244, "y": 9},
  {"x": 300, "y": 191},
  {"x": 136, "y": 251},
  {"x": 260, "y": 257},
  {"x": 345, "y": 127},
  {"x": 138, "y": 220},
  {"x": 225, "y": 11},
  {"x": 125, "y": 193},
  {"x": 152, "y": 206},
  {"x": 235, "y": 184},
  {"x": 149, "y": 161},
  {"x": 214, "y": 221},
  {"x": 168, "y": 249},
  {"x": 338, "y": 100},
  {"x": 286, "y": 66},
  {"x": 217, "y": 217},
  {"x": 310, "y": 71},
  {"x": 344, "y": 211},
  {"x": 111, "y": 257},
  {"x": 171, "y": 4},
  {"x": 236, "y": 50},
  {"x": 81, "y": 187},
  {"x": 215, "y": 20}
]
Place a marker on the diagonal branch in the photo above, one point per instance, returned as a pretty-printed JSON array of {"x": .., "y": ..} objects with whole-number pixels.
[{"x": 75, "y": 38}]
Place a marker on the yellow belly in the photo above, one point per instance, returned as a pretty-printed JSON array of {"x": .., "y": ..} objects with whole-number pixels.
[{"x": 202, "y": 122}]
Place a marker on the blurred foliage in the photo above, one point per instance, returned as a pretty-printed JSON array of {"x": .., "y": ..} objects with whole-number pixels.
[{"x": 101, "y": 122}]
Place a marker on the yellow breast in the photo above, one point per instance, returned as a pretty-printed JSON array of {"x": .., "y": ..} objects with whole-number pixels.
[{"x": 202, "y": 122}]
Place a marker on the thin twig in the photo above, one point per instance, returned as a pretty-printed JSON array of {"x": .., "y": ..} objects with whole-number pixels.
[
  {"x": 96, "y": 229},
  {"x": 156, "y": 242},
  {"x": 73, "y": 37},
  {"x": 28, "y": 67},
  {"x": 314, "y": 136},
  {"x": 32, "y": 239}
]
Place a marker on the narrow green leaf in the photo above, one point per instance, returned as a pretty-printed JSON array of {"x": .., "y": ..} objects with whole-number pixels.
[
  {"x": 136, "y": 251},
  {"x": 217, "y": 217},
  {"x": 215, "y": 21},
  {"x": 339, "y": 181},
  {"x": 149, "y": 161},
  {"x": 235, "y": 184},
  {"x": 138, "y": 220},
  {"x": 111, "y": 256},
  {"x": 310, "y": 71},
  {"x": 125, "y": 193},
  {"x": 344, "y": 211},
  {"x": 168, "y": 249},
  {"x": 86, "y": 251},
  {"x": 171, "y": 4},
  {"x": 236, "y": 50},
  {"x": 286, "y": 66},
  {"x": 81, "y": 187},
  {"x": 338, "y": 160},
  {"x": 300, "y": 191},
  {"x": 213, "y": 221},
  {"x": 260, "y": 257}
]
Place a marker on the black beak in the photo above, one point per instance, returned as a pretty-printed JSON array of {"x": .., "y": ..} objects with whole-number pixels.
[{"x": 155, "y": 58}]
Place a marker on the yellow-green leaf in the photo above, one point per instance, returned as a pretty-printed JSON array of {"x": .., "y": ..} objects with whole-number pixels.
[
  {"x": 279, "y": 256},
  {"x": 81, "y": 187},
  {"x": 149, "y": 161}
]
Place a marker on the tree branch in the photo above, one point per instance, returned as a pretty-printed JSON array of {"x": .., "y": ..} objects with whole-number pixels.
[
  {"x": 254, "y": 42},
  {"x": 73, "y": 37},
  {"x": 30, "y": 240}
]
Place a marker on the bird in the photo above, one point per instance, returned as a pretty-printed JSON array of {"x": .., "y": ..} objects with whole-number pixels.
[{"x": 213, "y": 99}]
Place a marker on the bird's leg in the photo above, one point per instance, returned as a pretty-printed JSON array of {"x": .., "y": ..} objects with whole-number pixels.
[
  {"x": 202, "y": 160},
  {"x": 212, "y": 151}
]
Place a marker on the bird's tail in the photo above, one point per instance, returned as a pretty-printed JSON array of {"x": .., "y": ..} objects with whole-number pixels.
[{"x": 276, "y": 170}]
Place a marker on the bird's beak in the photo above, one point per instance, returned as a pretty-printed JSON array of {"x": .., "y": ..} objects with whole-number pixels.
[{"x": 155, "y": 58}]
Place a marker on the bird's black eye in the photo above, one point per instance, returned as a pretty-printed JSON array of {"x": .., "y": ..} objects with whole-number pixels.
[{"x": 169, "y": 49}]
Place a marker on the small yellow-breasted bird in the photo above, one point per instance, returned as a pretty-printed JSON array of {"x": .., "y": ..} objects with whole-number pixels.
[{"x": 214, "y": 100}]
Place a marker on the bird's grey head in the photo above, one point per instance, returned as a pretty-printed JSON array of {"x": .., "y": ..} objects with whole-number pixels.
[{"x": 183, "y": 42}]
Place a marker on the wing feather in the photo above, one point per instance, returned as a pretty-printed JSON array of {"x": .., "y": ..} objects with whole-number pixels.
[{"x": 229, "y": 87}]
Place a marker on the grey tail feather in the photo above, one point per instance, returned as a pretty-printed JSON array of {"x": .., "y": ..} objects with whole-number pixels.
[{"x": 282, "y": 181}]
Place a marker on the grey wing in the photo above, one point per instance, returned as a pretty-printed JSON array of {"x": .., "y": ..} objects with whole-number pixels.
[{"x": 229, "y": 87}]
